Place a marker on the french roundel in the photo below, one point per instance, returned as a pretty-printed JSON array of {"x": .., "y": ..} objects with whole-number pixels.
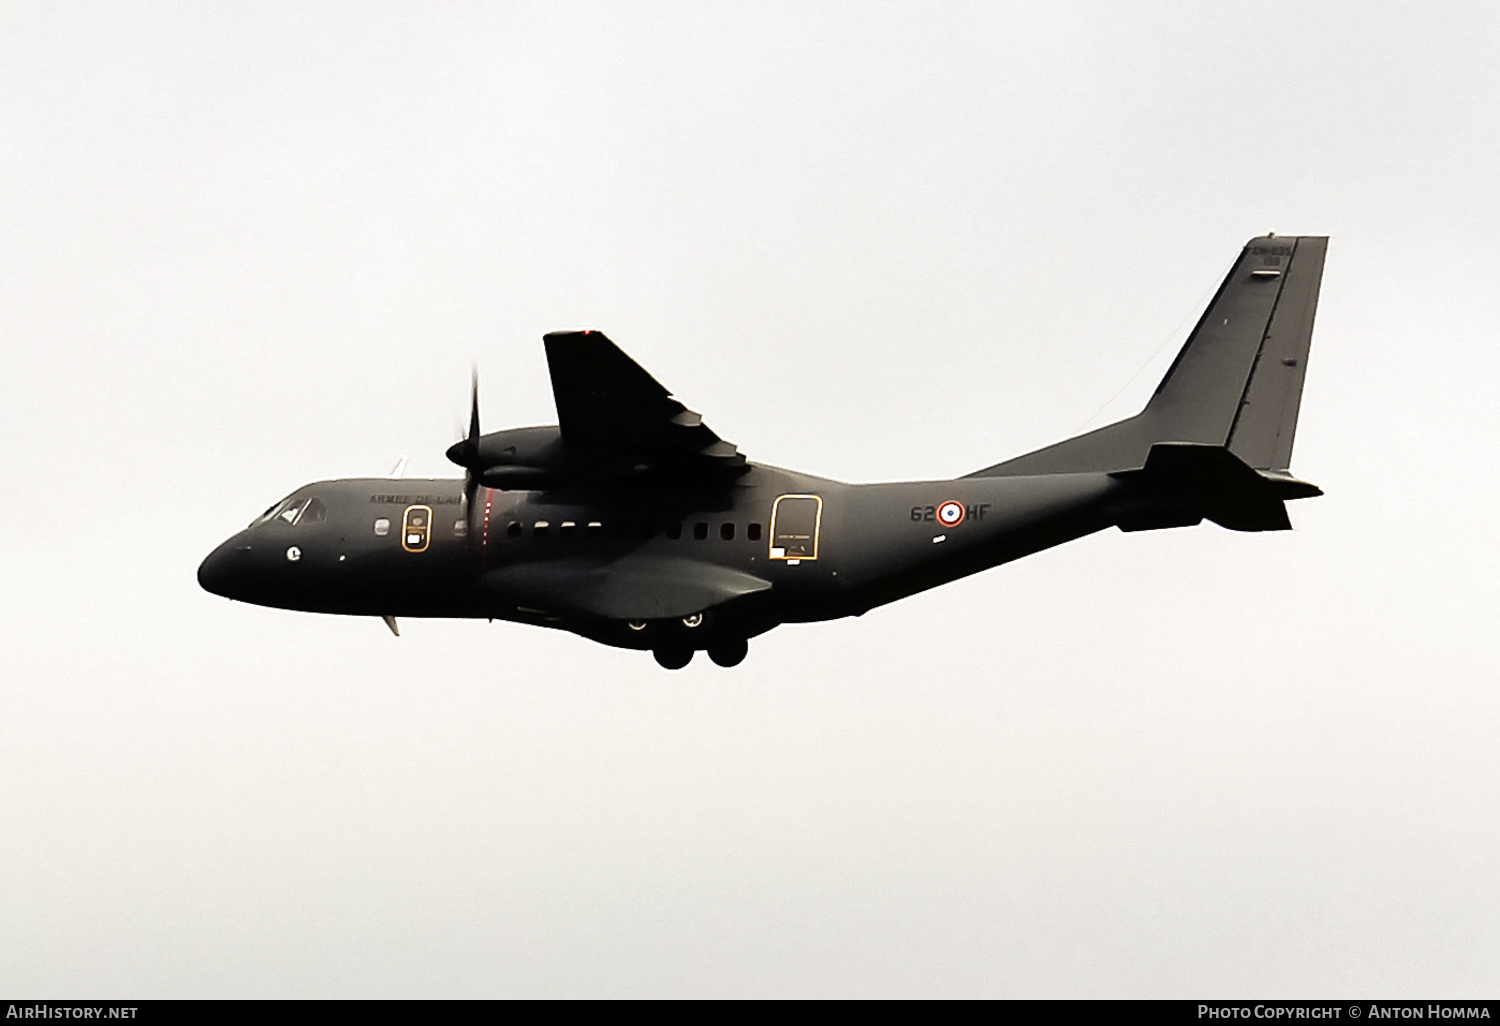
[{"x": 950, "y": 514}]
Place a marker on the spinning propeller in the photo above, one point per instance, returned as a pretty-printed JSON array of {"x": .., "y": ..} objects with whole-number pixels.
[{"x": 465, "y": 453}]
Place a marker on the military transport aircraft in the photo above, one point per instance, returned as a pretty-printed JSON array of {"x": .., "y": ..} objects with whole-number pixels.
[{"x": 634, "y": 524}]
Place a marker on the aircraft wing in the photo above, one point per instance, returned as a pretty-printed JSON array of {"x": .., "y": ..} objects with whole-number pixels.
[
  {"x": 633, "y": 588},
  {"x": 606, "y": 399}
]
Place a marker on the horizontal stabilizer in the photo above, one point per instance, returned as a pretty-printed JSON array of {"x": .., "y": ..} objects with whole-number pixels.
[{"x": 1183, "y": 483}]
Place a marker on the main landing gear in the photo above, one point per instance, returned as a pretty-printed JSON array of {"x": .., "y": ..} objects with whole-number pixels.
[
  {"x": 725, "y": 653},
  {"x": 673, "y": 658},
  {"x": 729, "y": 653},
  {"x": 677, "y": 652},
  {"x": 674, "y": 642}
]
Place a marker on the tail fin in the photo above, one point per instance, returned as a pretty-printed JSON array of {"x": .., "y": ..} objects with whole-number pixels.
[{"x": 1236, "y": 383}]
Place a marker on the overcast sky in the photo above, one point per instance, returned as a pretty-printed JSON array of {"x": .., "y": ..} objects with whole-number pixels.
[{"x": 244, "y": 247}]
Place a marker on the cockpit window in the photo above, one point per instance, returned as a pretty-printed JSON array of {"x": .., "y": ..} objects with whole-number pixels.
[
  {"x": 273, "y": 511},
  {"x": 292, "y": 512},
  {"x": 295, "y": 510}
]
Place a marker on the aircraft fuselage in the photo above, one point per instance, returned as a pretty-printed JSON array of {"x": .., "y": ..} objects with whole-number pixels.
[{"x": 777, "y": 547}]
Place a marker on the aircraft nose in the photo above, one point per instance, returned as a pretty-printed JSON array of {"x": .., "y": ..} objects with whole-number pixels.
[{"x": 225, "y": 568}]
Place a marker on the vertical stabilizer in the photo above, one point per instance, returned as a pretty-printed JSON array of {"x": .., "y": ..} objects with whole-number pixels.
[
  {"x": 1236, "y": 383},
  {"x": 1267, "y": 419}
]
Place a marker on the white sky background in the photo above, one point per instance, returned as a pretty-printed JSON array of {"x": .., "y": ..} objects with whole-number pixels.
[{"x": 242, "y": 248}]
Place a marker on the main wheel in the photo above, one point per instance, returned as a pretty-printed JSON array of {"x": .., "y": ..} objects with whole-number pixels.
[
  {"x": 729, "y": 653},
  {"x": 672, "y": 658}
]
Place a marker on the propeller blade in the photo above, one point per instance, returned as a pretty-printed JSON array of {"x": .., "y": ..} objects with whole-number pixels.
[
  {"x": 474, "y": 412},
  {"x": 465, "y": 452},
  {"x": 466, "y": 455}
]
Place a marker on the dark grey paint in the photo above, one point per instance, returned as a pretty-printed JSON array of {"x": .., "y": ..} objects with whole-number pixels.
[{"x": 659, "y": 553}]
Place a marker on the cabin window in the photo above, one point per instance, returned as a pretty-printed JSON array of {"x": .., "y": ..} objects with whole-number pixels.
[
  {"x": 382, "y": 527},
  {"x": 795, "y": 520},
  {"x": 513, "y": 529},
  {"x": 460, "y": 528},
  {"x": 726, "y": 531},
  {"x": 700, "y": 531},
  {"x": 567, "y": 529},
  {"x": 595, "y": 528},
  {"x": 753, "y": 532},
  {"x": 674, "y": 531},
  {"x": 540, "y": 529}
]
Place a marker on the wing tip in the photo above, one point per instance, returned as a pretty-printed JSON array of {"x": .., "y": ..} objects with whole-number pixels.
[{"x": 573, "y": 335}]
